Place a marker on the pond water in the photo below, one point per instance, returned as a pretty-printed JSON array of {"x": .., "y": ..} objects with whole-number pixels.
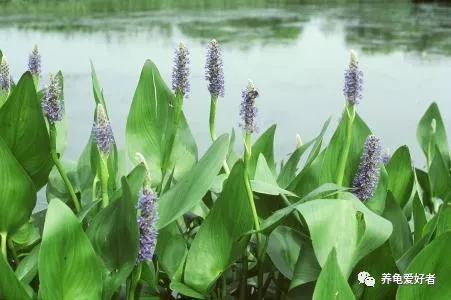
[{"x": 295, "y": 53}]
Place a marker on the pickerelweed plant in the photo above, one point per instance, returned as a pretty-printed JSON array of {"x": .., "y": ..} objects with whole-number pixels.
[{"x": 225, "y": 225}]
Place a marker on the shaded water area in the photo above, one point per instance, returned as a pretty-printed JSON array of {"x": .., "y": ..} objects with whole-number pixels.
[{"x": 295, "y": 52}]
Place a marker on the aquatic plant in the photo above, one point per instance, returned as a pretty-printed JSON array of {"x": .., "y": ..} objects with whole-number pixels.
[
  {"x": 168, "y": 224},
  {"x": 34, "y": 62}
]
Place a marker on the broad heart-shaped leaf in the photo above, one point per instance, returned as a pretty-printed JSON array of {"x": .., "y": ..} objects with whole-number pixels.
[
  {"x": 433, "y": 259},
  {"x": 214, "y": 246},
  {"x": 112, "y": 160},
  {"x": 346, "y": 225},
  {"x": 264, "y": 181},
  {"x": 114, "y": 235},
  {"x": 263, "y": 145},
  {"x": 284, "y": 245},
  {"x": 401, "y": 238},
  {"x": 68, "y": 265},
  {"x": 10, "y": 286},
  {"x": 150, "y": 115},
  {"x": 190, "y": 190},
  {"x": 23, "y": 128},
  {"x": 333, "y": 154},
  {"x": 401, "y": 176},
  {"x": 427, "y": 139},
  {"x": 332, "y": 284},
  {"x": 18, "y": 194}
]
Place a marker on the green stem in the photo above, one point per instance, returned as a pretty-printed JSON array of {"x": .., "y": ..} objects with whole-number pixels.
[
  {"x": 104, "y": 179},
  {"x": 60, "y": 168},
  {"x": 134, "y": 280},
  {"x": 3, "y": 241},
  {"x": 260, "y": 253},
  {"x": 213, "y": 117},
  {"x": 178, "y": 105},
  {"x": 213, "y": 129},
  {"x": 243, "y": 287},
  {"x": 224, "y": 286},
  {"x": 350, "y": 109},
  {"x": 13, "y": 251},
  {"x": 94, "y": 188}
]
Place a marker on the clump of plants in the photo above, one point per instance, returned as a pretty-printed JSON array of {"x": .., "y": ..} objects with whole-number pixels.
[{"x": 156, "y": 221}]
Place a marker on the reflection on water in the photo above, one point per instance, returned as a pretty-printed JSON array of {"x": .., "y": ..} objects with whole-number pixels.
[
  {"x": 373, "y": 27},
  {"x": 295, "y": 53}
]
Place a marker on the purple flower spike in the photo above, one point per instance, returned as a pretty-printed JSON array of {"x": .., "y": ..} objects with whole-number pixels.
[
  {"x": 5, "y": 78},
  {"x": 147, "y": 220},
  {"x": 180, "y": 72},
  {"x": 367, "y": 176},
  {"x": 214, "y": 73},
  {"x": 34, "y": 62},
  {"x": 353, "y": 86},
  {"x": 102, "y": 132},
  {"x": 52, "y": 104},
  {"x": 248, "y": 109}
]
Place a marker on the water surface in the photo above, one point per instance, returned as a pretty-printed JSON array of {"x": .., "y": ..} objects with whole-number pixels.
[{"x": 295, "y": 53}]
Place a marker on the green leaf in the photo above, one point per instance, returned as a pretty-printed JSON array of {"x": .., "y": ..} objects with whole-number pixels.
[
  {"x": 23, "y": 128},
  {"x": 171, "y": 249},
  {"x": 10, "y": 286},
  {"x": 378, "y": 262},
  {"x": 264, "y": 181},
  {"x": 283, "y": 249},
  {"x": 401, "y": 238},
  {"x": 190, "y": 190},
  {"x": 408, "y": 256},
  {"x": 56, "y": 188},
  {"x": 269, "y": 224},
  {"x": 214, "y": 246},
  {"x": 18, "y": 195},
  {"x": 112, "y": 161},
  {"x": 360, "y": 230},
  {"x": 428, "y": 141},
  {"x": 68, "y": 266},
  {"x": 439, "y": 177},
  {"x": 288, "y": 171},
  {"x": 149, "y": 117},
  {"x": 334, "y": 151},
  {"x": 116, "y": 225},
  {"x": 28, "y": 267},
  {"x": 433, "y": 259},
  {"x": 149, "y": 275},
  {"x": 307, "y": 267},
  {"x": 263, "y": 145},
  {"x": 185, "y": 290},
  {"x": 419, "y": 218},
  {"x": 444, "y": 220},
  {"x": 401, "y": 177},
  {"x": 377, "y": 202},
  {"x": 331, "y": 283}
]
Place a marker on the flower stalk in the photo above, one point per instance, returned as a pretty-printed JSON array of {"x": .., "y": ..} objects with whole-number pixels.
[
  {"x": 53, "y": 108},
  {"x": 60, "y": 168},
  {"x": 3, "y": 242},
  {"x": 248, "y": 113},
  {"x": 352, "y": 90},
  {"x": 103, "y": 137}
]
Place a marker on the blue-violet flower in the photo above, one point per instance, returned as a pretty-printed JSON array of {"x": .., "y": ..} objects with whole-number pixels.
[
  {"x": 147, "y": 219},
  {"x": 52, "y": 104},
  {"x": 214, "y": 73},
  {"x": 248, "y": 110},
  {"x": 102, "y": 131},
  {"x": 353, "y": 85},
  {"x": 180, "y": 71}
]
